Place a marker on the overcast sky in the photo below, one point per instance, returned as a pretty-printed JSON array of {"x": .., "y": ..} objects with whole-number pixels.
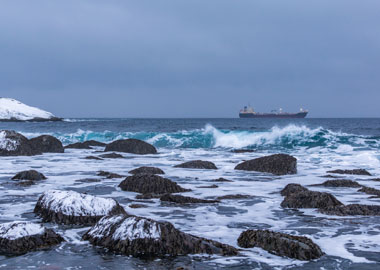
[{"x": 191, "y": 58}]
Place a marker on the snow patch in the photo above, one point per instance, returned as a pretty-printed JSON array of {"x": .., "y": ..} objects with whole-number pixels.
[
  {"x": 130, "y": 228},
  {"x": 6, "y": 143},
  {"x": 11, "y": 109},
  {"x": 72, "y": 203},
  {"x": 18, "y": 229}
]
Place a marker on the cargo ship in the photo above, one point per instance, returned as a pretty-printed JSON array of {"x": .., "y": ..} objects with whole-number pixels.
[{"x": 248, "y": 112}]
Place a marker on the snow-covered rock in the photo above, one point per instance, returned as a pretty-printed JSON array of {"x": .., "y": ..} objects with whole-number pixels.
[
  {"x": 15, "y": 144},
  {"x": 137, "y": 236},
  {"x": 70, "y": 207},
  {"x": 14, "y": 110},
  {"x": 19, "y": 237}
]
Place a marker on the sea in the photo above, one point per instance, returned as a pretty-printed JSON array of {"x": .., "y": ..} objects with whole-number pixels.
[{"x": 319, "y": 145}]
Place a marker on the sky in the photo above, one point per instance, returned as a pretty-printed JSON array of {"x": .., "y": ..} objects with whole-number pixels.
[{"x": 191, "y": 58}]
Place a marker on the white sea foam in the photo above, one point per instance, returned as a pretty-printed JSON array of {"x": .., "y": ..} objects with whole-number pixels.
[{"x": 17, "y": 229}]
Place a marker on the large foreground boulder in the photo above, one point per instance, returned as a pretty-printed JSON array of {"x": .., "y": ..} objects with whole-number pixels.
[
  {"x": 32, "y": 175},
  {"x": 300, "y": 197},
  {"x": 132, "y": 146},
  {"x": 355, "y": 172},
  {"x": 184, "y": 199},
  {"x": 85, "y": 144},
  {"x": 197, "y": 164},
  {"x": 141, "y": 237},
  {"x": 281, "y": 244},
  {"x": 147, "y": 170},
  {"x": 70, "y": 207},
  {"x": 47, "y": 144},
  {"x": 15, "y": 144},
  {"x": 279, "y": 164},
  {"x": 150, "y": 183},
  {"x": 20, "y": 237},
  {"x": 352, "y": 210}
]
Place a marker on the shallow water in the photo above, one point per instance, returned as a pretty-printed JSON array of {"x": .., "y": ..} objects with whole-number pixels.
[{"x": 318, "y": 144}]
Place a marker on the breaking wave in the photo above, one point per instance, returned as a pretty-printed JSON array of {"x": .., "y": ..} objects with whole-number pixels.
[{"x": 288, "y": 137}]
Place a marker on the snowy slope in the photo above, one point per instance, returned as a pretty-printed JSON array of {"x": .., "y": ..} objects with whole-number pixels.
[{"x": 11, "y": 109}]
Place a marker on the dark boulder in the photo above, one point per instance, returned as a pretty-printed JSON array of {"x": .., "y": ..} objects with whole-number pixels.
[
  {"x": 279, "y": 164},
  {"x": 281, "y": 244},
  {"x": 370, "y": 191},
  {"x": 141, "y": 237},
  {"x": 85, "y": 145},
  {"x": 292, "y": 188},
  {"x": 197, "y": 164},
  {"x": 70, "y": 207},
  {"x": 20, "y": 237},
  {"x": 29, "y": 175},
  {"x": 355, "y": 171},
  {"x": 308, "y": 199},
  {"x": 150, "y": 183},
  {"x": 132, "y": 146},
  {"x": 15, "y": 144},
  {"x": 46, "y": 144},
  {"x": 183, "y": 199},
  {"x": 147, "y": 170},
  {"x": 112, "y": 155},
  {"x": 352, "y": 210},
  {"x": 339, "y": 183}
]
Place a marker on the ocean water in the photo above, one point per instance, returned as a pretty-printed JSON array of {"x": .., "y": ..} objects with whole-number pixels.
[{"x": 318, "y": 144}]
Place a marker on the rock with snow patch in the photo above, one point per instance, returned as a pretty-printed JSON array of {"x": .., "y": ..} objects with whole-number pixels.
[
  {"x": 355, "y": 172},
  {"x": 281, "y": 244},
  {"x": 278, "y": 164},
  {"x": 132, "y": 146},
  {"x": 29, "y": 175},
  {"x": 184, "y": 199},
  {"x": 15, "y": 144},
  {"x": 20, "y": 237},
  {"x": 142, "y": 237},
  {"x": 147, "y": 170},
  {"x": 46, "y": 144},
  {"x": 70, "y": 207},
  {"x": 197, "y": 164}
]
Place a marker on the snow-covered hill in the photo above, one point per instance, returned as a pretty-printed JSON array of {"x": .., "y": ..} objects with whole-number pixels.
[{"x": 14, "y": 110}]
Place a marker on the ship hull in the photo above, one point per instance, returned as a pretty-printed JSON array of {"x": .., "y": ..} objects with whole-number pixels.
[{"x": 273, "y": 115}]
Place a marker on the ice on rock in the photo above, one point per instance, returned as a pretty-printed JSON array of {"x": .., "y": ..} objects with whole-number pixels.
[{"x": 16, "y": 229}]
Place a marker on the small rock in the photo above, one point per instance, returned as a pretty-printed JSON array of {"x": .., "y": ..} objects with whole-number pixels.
[
  {"x": 370, "y": 191},
  {"x": 93, "y": 158},
  {"x": 111, "y": 155},
  {"x": 279, "y": 164},
  {"x": 29, "y": 175},
  {"x": 211, "y": 186},
  {"x": 352, "y": 210},
  {"x": 197, "y": 164},
  {"x": 132, "y": 146},
  {"x": 234, "y": 197},
  {"x": 109, "y": 175},
  {"x": 88, "y": 180},
  {"x": 147, "y": 170},
  {"x": 136, "y": 205},
  {"x": 281, "y": 244},
  {"x": 85, "y": 145},
  {"x": 221, "y": 179},
  {"x": 150, "y": 183},
  {"x": 339, "y": 183},
  {"x": 148, "y": 196},
  {"x": 183, "y": 199},
  {"x": 238, "y": 151},
  {"x": 355, "y": 171},
  {"x": 20, "y": 237}
]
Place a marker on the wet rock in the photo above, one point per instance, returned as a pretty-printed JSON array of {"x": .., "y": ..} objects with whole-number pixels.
[
  {"x": 111, "y": 155},
  {"x": 183, "y": 199},
  {"x": 352, "y": 210},
  {"x": 339, "y": 183},
  {"x": 147, "y": 170},
  {"x": 234, "y": 197},
  {"x": 197, "y": 164},
  {"x": 46, "y": 144},
  {"x": 292, "y": 188},
  {"x": 238, "y": 151},
  {"x": 136, "y": 205},
  {"x": 20, "y": 237},
  {"x": 330, "y": 176},
  {"x": 211, "y": 186},
  {"x": 15, "y": 144},
  {"x": 370, "y": 191},
  {"x": 85, "y": 145},
  {"x": 25, "y": 183},
  {"x": 221, "y": 179},
  {"x": 93, "y": 158},
  {"x": 355, "y": 171},
  {"x": 150, "y": 183},
  {"x": 88, "y": 180},
  {"x": 132, "y": 146},
  {"x": 299, "y": 198},
  {"x": 70, "y": 207},
  {"x": 148, "y": 196},
  {"x": 109, "y": 175},
  {"x": 279, "y": 164},
  {"x": 141, "y": 237},
  {"x": 29, "y": 175},
  {"x": 376, "y": 179},
  {"x": 281, "y": 244}
]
